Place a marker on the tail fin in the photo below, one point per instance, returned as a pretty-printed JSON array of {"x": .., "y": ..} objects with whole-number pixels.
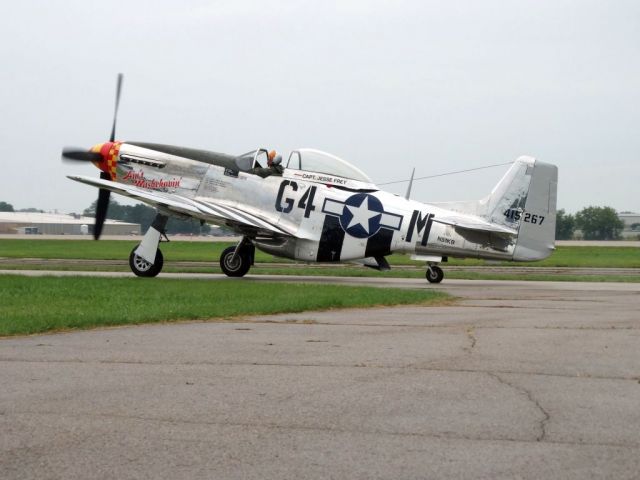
[
  {"x": 537, "y": 240},
  {"x": 525, "y": 199}
]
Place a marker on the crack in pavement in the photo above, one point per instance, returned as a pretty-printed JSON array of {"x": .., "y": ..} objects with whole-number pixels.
[
  {"x": 305, "y": 321},
  {"x": 417, "y": 367},
  {"x": 471, "y": 335},
  {"x": 546, "y": 417},
  {"x": 331, "y": 429}
]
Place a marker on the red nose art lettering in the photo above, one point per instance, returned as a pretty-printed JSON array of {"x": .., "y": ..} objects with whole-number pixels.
[{"x": 139, "y": 180}]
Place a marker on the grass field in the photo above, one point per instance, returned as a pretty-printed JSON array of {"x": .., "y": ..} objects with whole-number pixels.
[
  {"x": 564, "y": 256},
  {"x": 35, "y": 305}
]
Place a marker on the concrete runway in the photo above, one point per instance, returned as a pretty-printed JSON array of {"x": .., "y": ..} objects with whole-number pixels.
[{"x": 517, "y": 380}]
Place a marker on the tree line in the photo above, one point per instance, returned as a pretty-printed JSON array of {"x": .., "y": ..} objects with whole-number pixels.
[
  {"x": 7, "y": 207},
  {"x": 595, "y": 223},
  {"x": 144, "y": 215}
]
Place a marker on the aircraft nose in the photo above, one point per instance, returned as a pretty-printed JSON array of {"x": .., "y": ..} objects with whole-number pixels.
[{"x": 109, "y": 152}]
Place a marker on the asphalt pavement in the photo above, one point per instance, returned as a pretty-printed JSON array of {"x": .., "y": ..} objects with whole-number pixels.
[{"x": 515, "y": 380}]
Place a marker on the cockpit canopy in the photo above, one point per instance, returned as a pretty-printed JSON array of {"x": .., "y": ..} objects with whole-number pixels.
[
  {"x": 307, "y": 160},
  {"x": 252, "y": 159}
]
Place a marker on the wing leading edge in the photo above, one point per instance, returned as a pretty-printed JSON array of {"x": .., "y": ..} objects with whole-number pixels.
[{"x": 238, "y": 219}]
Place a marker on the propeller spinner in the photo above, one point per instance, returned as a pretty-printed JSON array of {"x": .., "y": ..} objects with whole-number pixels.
[{"x": 104, "y": 156}]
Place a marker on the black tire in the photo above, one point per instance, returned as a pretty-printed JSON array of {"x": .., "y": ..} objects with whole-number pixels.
[
  {"x": 237, "y": 267},
  {"x": 142, "y": 268},
  {"x": 434, "y": 274}
]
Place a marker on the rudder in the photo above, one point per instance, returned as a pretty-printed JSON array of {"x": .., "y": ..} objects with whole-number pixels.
[
  {"x": 525, "y": 200},
  {"x": 537, "y": 230}
]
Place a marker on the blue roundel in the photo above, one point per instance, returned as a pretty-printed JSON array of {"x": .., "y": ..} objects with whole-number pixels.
[{"x": 361, "y": 215}]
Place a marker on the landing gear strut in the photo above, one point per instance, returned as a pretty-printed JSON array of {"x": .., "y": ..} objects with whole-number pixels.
[
  {"x": 434, "y": 274},
  {"x": 236, "y": 261},
  {"x": 146, "y": 259}
]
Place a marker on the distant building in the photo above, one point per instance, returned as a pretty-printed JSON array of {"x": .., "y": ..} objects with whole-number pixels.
[
  {"x": 630, "y": 220},
  {"x": 631, "y": 225},
  {"x": 59, "y": 224}
]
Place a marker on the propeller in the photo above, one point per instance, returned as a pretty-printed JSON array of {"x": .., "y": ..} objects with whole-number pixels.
[
  {"x": 77, "y": 154},
  {"x": 101, "y": 207},
  {"x": 112, "y": 138},
  {"x": 80, "y": 155}
]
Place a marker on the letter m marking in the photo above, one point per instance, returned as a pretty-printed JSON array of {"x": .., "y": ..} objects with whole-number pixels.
[{"x": 419, "y": 223}]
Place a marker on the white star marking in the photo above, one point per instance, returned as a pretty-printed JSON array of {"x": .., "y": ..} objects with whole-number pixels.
[{"x": 361, "y": 215}]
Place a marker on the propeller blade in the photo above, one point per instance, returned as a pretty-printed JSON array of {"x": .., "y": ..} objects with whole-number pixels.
[
  {"x": 101, "y": 207},
  {"x": 80, "y": 155},
  {"x": 112, "y": 138}
]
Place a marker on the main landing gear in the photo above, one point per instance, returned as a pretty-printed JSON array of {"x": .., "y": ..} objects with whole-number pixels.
[
  {"x": 434, "y": 274},
  {"x": 146, "y": 259},
  {"x": 236, "y": 261},
  {"x": 141, "y": 267}
]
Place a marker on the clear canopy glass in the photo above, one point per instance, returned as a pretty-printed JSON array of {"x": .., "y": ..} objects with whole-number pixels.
[
  {"x": 308, "y": 160},
  {"x": 252, "y": 159}
]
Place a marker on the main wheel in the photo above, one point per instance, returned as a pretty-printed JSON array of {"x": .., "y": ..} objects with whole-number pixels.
[
  {"x": 235, "y": 267},
  {"x": 434, "y": 274},
  {"x": 142, "y": 268}
]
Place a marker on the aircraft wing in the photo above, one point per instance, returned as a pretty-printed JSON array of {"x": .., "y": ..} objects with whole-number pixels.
[
  {"x": 243, "y": 222},
  {"x": 471, "y": 223}
]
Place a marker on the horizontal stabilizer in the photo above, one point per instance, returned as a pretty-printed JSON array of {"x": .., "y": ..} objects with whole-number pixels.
[
  {"x": 471, "y": 223},
  {"x": 522, "y": 206}
]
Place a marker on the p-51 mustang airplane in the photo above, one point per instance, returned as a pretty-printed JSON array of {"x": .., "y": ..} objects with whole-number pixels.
[{"x": 321, "y": 209}]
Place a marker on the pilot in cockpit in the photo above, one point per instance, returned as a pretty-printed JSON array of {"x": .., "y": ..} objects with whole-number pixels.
[{"x": 274, "y": 166}]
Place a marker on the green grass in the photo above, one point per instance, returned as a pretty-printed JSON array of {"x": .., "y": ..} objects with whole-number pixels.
[
  {"x": 596, "y": 257},
  {"x": 110, "y": 249},
  {"x": 209, "y": 252},
  {"x": 579, "y": 257},
  {"x": 35, "y": 305},
  {"x": 564, "y": 256}
]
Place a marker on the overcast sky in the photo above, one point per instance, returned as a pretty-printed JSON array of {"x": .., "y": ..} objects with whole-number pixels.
[{"x": 386, "y": 85}]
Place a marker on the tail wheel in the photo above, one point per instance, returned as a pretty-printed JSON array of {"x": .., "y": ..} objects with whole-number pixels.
[
  {"x": 434, "y": 274},
  {"x": 238, "y": 266},
  {"x": 142, "y": 268}
]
